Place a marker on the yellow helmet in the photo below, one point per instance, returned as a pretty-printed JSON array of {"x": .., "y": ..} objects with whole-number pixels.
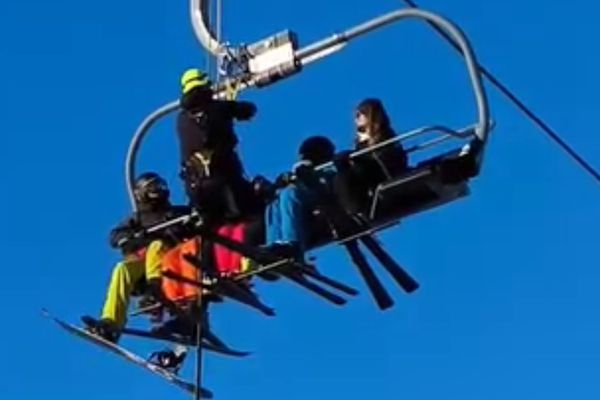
[{"x": 193, "y": 78}]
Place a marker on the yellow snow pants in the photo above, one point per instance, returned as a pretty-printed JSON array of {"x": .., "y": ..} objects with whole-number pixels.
[{"x": 124, "y": 277}]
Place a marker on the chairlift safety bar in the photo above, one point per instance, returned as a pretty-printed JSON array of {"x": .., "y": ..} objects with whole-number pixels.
[{"x": 468, "y": 132}]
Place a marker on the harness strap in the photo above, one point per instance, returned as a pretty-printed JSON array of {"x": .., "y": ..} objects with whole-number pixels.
[{"x": 205, "y": 160}]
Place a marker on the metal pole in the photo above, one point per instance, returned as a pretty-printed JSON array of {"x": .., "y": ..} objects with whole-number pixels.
[
  {"x": 212, "y": 59},
  {"x": 219, "y": 21},
  {"x": 198, "y": 394},
  {"x": 135, "y": 143},
  {"x": 201, "y": 27},
  {"x": 218, "y": 28},
  {"x": 219, "y": 33},
  {"x": 207, "y": 20}
]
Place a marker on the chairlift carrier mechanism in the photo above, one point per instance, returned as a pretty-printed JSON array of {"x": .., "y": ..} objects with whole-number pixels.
[{"x": 428, "y": 184}]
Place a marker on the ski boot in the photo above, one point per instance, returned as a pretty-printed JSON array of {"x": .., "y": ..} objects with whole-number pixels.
[
  {"x": 290, "y": 250},
  {"x": 103, "y": 328},
  {"x": 151, "y": 307},
  {"x": 155, "y": 294},
  {"x": 170, "y": 360}
]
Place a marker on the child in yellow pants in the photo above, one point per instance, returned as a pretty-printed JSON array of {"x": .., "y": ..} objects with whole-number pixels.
[
  {"x": 142, "y": 254},
  {"x": 125, "y": 275}
]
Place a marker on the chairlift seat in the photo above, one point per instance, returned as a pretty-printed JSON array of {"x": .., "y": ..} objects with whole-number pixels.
[{"x": 430, "y": 184}]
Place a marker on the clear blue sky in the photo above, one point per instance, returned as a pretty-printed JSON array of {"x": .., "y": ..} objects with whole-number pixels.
[{"x": 508, "y": 307}]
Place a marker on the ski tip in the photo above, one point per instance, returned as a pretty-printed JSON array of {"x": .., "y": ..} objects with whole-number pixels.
[
  {"x": 413, "y": 287},
  {"x": 227, "y": 351},
  {"x": 45, "y": 312},
  {"x": 237, "y": 353},
  {"x": 385, "y": 305}
]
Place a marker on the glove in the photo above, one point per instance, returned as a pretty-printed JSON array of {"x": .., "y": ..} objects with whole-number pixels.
[
  {"x": 124, "y": 233},
  {"x": 303, "y": 169},
  {"x": 263, "y": 188},
  {"x": 283, "y": 180},
  {"x": 245, "y": 110},
  {"x": 302, "y": 165},
  {"x": 342, "y": 159},
  {"x": 260, "y": 182}
]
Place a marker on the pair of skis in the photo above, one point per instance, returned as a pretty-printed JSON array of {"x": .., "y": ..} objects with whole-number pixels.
[
  {"x": 352, "y": 230},
  {"x": 295, "y": 271},
  {"x": 131, "y": 357},
  {"x": 349, "y": 230},
  {"x": 378, "y": 291},
  {"x": 300, "y": 273}
]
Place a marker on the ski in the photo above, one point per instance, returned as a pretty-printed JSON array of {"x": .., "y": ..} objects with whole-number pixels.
[
  {"x": 229, "y": 291},
  {"x": 177, "y": 339},
  {"x": 315, "y": 275},
  {"x": 128, "y": 355},
  {"x": 300, "y": 280}
]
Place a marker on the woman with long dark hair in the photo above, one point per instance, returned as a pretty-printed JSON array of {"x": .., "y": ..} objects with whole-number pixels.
[{"x": 358, "y": 177}]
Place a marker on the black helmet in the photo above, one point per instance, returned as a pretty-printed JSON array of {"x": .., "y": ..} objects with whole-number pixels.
[
  {"x": 317, "y": 149},
  {"x": 150, "y": 189}
]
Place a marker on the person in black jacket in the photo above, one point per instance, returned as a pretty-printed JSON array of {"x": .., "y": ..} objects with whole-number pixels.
[
  {"x": 358, "y": 177},
  {"x": 211, "y": 168},
  {"x": 142, "y": 253}
]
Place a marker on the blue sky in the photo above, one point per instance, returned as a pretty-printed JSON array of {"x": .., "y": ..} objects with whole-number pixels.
[{"x": 509, "y": 296}]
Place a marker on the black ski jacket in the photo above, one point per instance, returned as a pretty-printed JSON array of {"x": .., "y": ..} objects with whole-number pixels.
[{"x": 210, "y": 127}]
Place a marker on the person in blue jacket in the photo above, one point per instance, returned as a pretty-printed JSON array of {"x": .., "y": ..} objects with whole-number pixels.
[{"x": 287, "y": 216}]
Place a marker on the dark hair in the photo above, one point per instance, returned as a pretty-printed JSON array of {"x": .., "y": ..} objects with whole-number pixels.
[
  {"x": 379, "y": 121},
  {"x": 317, "y": 149}
]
